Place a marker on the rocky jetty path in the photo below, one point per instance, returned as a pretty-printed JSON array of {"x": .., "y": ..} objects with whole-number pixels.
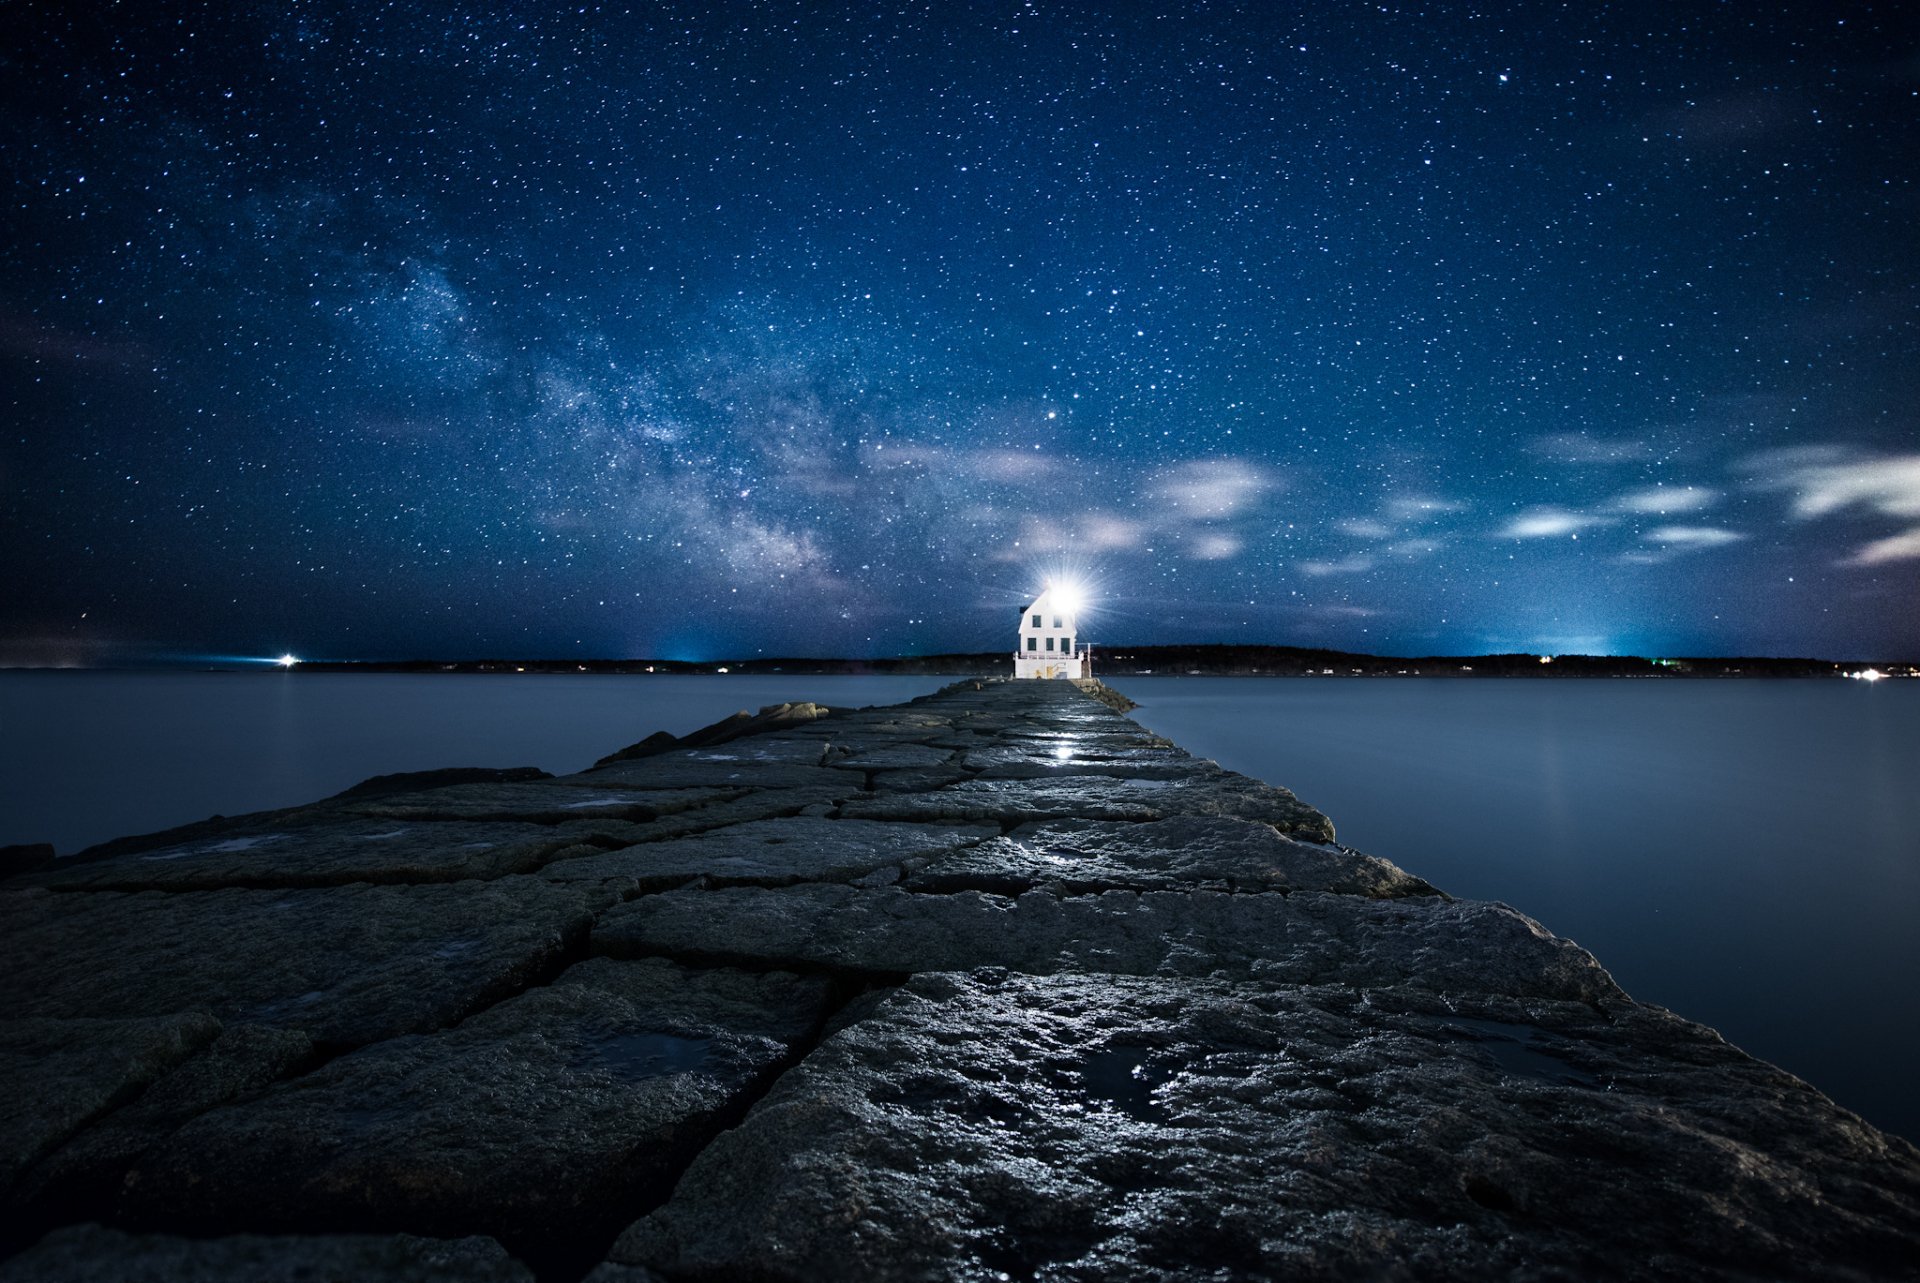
[{"x": 990, "y": 985}]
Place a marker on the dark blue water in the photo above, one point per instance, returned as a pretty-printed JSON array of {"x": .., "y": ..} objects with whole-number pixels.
[{"x": 1746, "y": 853}]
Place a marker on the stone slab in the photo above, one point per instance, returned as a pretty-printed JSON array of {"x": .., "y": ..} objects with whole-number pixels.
[
  {"x": 348, "y": 964},
  {"x": 1305, "y": 938},
  {"x": 728, "y": 767},
  {"x": 1100, "y": 798},
  {"x": 56, "y": 1076},
  {"x": 349, "y": 849},
  {"x": 542, "y": 1120},
  {"x": 1186, "y": 852},
  {"x": 88, "y": 1171},
  {"x": 773, "y": 853},
  {"x": 90, "y": 1253},
  {"x": 537, "y": 803},
  {"x": 992, "y": 1126}
]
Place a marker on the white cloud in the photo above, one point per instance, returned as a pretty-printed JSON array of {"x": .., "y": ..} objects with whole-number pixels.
[
  {"x": 1414, "y": 547},
  {"x": 1356, "y": 564},
  {"x": 1826, "y": 481},
  {"x": 1547, "y": 522},
  {"x": 1694, "y": 536},
  {"x": 1422, "y": 507},
  {"x": 1364, "y": 528},
  {"x": 1661, "y": 500},
  {"x": 1215, "y": 547},
  {"x": 1100, "y": 531},
  {"x": 1900, "y": 547},
  {"x": 1888, "y": 485},
  {"x": 1212, "y": 489}
]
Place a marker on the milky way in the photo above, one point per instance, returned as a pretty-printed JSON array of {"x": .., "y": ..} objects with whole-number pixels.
[{"x": 798, "y": 328}]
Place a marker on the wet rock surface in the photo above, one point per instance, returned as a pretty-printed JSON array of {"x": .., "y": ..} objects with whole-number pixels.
[
  {"x": 1184, "y": 852},
  {"x": 993, "y": 984},
  {"x": 1309, "y": 938},
  {"x": 1100, "y": 1127},
  {"x": 535, "y": 1121},
  {"x": 774, "y": 853}
]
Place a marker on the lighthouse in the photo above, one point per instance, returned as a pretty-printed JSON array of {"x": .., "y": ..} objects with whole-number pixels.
[{"x": 1045, "y": 646}]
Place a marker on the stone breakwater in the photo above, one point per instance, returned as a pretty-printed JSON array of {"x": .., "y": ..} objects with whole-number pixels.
[{"x": 991, "y": 985}]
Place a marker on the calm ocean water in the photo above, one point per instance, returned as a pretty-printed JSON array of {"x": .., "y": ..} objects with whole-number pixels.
[{"x": 1746, "y": 853}]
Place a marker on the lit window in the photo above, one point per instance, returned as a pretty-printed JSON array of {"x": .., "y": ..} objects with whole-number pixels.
[
  {"x": 1049, "y": 643},
  {"x": 1036, "y": 621},
  {"x": 1033, "y": 643}
]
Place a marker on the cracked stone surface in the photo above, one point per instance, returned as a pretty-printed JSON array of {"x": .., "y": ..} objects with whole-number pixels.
[
  {"x": 347, "y": 964},
  {"x": 58, "y": 1075},
  {"x": 1306, "y": 938},
  {"x": 88, "y": 1253},
  {"x": 539, "y": 803},
  {"x": 1186, "y": 852},
  {"x": 1097, "y": 1127},
  {"x": 994, "y": 984},
  {"x": 774, "y": 852},
  {"x": 534, "y": 1120},
  {"x": 346, "y": 850},
  {"x": 1101, "y": 798},
  {"x": 710, "y": 768}
]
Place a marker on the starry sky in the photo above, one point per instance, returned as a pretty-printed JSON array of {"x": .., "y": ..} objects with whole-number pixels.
[{"x": 692, "y": 330}]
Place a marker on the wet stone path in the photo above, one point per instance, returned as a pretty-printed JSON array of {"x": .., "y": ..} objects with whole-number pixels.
[{"x": 991, "y": 985}]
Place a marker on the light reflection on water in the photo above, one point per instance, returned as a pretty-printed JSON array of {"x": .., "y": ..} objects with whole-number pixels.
[{"x": 1746, "y": 853}]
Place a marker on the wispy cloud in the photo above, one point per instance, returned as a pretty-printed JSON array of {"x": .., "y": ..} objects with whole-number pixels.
[
  {"x": 1364, "y": 528},
  {"x": 1693, "y": 536},
  {"x": 1827, "y": 481},
  {"x": 1212, "y": 489},
  {"x": 1359, "y": 563},
  {"x": 1661, "y": 500},
  {"x": 1548, "y": 522},
  {"x": 1586, "y": 448},
  {"x": 1900, "y": 547},
  {"x": 1422, "y": 507}
]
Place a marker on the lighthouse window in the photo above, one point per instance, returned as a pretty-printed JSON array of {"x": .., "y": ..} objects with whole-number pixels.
[
  {"x": 1049, "y": 643},
  {"x": 1036, "y": 621},
  {"x": 1033, "y": 643}
]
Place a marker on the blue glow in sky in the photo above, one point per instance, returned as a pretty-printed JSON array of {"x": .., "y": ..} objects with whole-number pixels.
[{"x": 821, "y": 329}]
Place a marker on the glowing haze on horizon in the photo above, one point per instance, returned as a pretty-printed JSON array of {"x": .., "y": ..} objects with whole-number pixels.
[{"x": 792, "y": 328}]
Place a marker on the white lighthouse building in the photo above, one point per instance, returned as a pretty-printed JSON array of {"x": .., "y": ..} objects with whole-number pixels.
[{"x": 1046, "y": 645}]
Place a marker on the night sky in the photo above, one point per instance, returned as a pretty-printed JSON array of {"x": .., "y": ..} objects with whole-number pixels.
[{"x": 703, "y": 330}]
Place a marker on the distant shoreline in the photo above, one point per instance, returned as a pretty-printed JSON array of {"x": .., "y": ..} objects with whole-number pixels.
[{"x": 1165, "y": 661}]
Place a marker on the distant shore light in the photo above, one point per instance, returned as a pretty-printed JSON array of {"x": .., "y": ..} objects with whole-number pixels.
[{"x": 287, "y": 661}]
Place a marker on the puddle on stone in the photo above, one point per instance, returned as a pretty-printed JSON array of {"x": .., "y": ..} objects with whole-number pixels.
[
  {"x": 1121, "y": 1076},
  {"x": 1135, "y": 782},
  {"x": 1507, "y": 1044},
  {"x": 644, "y": 1055},
  {"x": 612, "y": 801},
  {"x": 458, "y": 948},
  {"x": 380, "y": 837}
]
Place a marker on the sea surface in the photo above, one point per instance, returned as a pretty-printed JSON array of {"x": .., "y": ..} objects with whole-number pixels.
[{"x": 1746, "y": 853}]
